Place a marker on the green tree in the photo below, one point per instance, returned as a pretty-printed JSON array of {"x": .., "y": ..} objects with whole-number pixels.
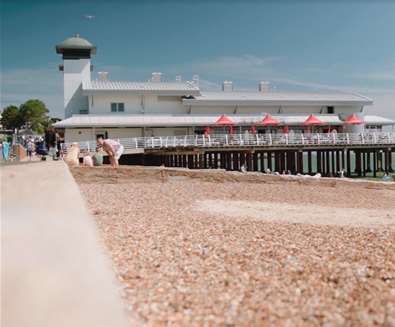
[
  {"x": 11, "y": 118},
  {"x": 34, "y": 114}
]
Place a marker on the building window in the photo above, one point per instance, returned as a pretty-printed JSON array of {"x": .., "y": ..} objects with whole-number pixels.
[
  {"x": 117, "y": 107},
  {"x": 331, "y": 110}
]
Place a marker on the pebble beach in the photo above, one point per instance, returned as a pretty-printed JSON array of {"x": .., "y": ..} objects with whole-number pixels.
[{"x": 192, "y": 251}]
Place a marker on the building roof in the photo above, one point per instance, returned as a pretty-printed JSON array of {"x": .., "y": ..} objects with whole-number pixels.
[
  {"x": 277, "y": 98},
  {"x": 122, "y": 120},
  {"x": 75, "y": 43},
  {"x": 159, "y": 88}
]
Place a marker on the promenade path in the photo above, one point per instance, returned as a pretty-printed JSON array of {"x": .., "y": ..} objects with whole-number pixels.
[{"x": 54, "y": 269}]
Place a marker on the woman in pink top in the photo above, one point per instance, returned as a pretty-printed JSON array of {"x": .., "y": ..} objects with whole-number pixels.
[{"x": 113, "y": 148}]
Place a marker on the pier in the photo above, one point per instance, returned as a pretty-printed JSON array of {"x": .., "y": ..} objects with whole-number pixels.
[{"x": 324, "y": 153}]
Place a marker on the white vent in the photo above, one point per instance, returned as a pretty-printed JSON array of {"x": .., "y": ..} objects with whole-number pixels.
[
  {"x": 156, "y": 77},
  {"x": 264, "y": 86},
  {"x": 103, "y": 76},
  {"x": 195, "y": 79},
  {"x": 227, "y": 86}
]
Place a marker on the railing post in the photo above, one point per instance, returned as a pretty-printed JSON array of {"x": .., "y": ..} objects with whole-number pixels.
[
  {"x": 226, "y": 139},
  {"x": 374, "y": 137},
  {"x": 241, "y": 139},
  {"x": 174, "y": 141},
  {"x": 257, "y": 139},
  {"x": 286, "y": 139},
  {"x": 204, "y": 140},
  {"x": 166, "y": 141},
  {"x": 318, "y": 139},
  {"x": 334, "y": 138},
  {"x": 161, "y": 143},
  {"x": 389, "y": 138},
  {"x": 185, "y": 141},
  {"x": 209, "y": 140},
  {"x": 362, "y": 138},
  {"x": 270, "y": 139},
  {"x": 302, "y": 138},
  {"x": 348, "y": 138}
]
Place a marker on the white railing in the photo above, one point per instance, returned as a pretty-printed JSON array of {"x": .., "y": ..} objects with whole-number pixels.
[{"x": 248, "y": 140}]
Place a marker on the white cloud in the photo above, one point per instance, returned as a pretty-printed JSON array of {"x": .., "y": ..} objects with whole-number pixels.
[{"x": 46, "y": 83}]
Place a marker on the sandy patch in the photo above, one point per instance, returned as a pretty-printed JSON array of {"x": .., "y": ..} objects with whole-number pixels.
[{"x": 293, "y": 213}]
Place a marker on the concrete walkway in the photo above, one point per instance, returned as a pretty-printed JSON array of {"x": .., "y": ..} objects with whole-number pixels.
[{"x": 54, "y": 271}]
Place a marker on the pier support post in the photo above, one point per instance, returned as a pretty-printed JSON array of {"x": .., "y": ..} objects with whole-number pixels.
[
  {"x": 300, "y": 161},
  {"x": 374, "y": 163},
  {"x": 348, "y": 151},
  {"x": 319, "y": 168},
  {"x": 333, "y": 153},
  {"x": 309, "y": 163},
  {"x": 328, "y": 164}
]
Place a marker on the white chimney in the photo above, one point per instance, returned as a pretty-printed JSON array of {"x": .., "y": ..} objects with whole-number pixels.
[
  {"x": 178, "y": 78},
  {"x": 156, "y": 77},
  {"x": 195, "y": 79},
  {"x": 227, "y": 86},
  {"x": 103, "y": 76},
  {"x": 264, "y": 86}
]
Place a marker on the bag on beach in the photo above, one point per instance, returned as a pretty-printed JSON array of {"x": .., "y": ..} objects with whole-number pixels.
[
  {"x": 97, "y": 159},
  {"x": 88, "y": 161}
]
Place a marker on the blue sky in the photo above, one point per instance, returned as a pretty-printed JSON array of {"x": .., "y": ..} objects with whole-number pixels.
[{"x": 296, "y": 45}]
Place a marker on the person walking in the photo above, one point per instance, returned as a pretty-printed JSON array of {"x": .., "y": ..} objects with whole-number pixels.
[
  {"x": 5, "y": 149},
  {"x": 29, "y": 148}
]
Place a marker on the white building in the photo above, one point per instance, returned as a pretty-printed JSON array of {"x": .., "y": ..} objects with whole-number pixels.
[{"x": 157, "y": 107}]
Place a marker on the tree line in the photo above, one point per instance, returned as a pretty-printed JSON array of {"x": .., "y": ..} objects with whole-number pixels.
[{"x": 32, "y": 114}]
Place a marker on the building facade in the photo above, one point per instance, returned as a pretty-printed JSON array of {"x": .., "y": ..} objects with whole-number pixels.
[{"x": 123, "y": 109}]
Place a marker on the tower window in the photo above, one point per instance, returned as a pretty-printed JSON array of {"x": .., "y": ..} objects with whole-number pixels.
[
  {"x": 117, "y": 107},
  {"x": 331, "y": 110}
]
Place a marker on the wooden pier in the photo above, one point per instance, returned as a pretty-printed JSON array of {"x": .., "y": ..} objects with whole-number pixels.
[
  {"x": 326, "y": 161},
  {"x": 326, "y": 154}
]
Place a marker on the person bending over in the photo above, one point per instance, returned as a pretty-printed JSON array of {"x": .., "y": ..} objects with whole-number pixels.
[{"x": 113, "y": 148}]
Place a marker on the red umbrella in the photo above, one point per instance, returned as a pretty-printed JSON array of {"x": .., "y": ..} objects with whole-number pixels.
[
  {"x": 353, "y": 120},
  {"x": 312, "y": 120},
  {"x": 269, "y": 121},
  {"x": 285, "y": 130},
  {"x": 224, "y": 120}
]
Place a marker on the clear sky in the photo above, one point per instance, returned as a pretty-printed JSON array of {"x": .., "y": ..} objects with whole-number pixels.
[{"x": 296, "y": 45}]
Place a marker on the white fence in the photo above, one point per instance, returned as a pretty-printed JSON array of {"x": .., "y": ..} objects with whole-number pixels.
[{"x": 248, "y": 140}]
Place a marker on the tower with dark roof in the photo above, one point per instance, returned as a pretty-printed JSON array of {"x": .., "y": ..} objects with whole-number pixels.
[{"x": 76, "y": 54}]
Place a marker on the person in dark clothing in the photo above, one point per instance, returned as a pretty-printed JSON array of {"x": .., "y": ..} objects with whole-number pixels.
[{"x": 50, "y": 138}]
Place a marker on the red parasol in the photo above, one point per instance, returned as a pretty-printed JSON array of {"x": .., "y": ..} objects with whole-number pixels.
[
  {"x": 285, "y": 130},
  {"x": 353, "y": 120},
  {"x": 269, "y": 121},
  {"x": 312, "y": 120},
  {"x": 224, "y": 120}
]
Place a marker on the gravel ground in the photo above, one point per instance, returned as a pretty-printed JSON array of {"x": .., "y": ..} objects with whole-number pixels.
[{"x": 183, "y": 266}]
